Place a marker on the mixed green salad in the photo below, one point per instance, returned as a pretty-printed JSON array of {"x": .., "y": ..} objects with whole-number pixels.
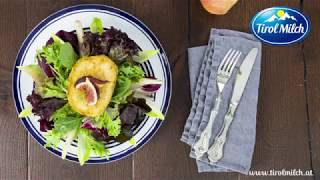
[{"x": 89, "y": 86}]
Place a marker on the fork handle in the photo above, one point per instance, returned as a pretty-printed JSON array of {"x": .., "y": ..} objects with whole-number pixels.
[
  {"x": 202, "y": 145},
  {"x": 215, "y": 153}
]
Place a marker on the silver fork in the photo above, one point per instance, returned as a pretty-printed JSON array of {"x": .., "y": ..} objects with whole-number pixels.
[{"x": 223, "y": 75}]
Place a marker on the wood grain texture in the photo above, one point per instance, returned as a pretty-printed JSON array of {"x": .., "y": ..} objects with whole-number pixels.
[
  {"x": 288, "y": 110},
  {"x": 13, "y": 137},
  {"x": 311, "y": 56},
  {"x": 282, "y": 116},
  {"x": 44, "y": 165},
  {"x": 281, "y": 120}
]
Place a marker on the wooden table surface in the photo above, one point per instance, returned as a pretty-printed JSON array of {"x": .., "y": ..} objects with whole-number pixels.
[{"x": 288, "y": 124}]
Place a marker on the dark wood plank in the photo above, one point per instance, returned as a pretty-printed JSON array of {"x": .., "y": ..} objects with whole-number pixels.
[
  {"x": 281, "y": 120},
  {"x": 13, "y": 148},
  {"x": 126, "y": 5},
  {"x": 165, "y": 157},
  {"x": 311, "y": 58},
  {"x": 43, "y": 164}
]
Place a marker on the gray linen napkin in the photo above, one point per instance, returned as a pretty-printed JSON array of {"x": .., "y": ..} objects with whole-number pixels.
[{"x": 203, "y": 63}]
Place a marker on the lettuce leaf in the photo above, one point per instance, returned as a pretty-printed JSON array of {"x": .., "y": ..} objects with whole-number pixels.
[
  {"x": 65, "y": 36},
  {"x": 64, "y": 112},
  {"x": 122, "y": 90},
  {"x": 69, "y": 138},
  {"x": 133, "y": 72},
  {"x": 36, "y": 73},
  {"x": 53, "y": 138},
  {"x": 147, "y": 85},
  {"x": 128, "y": 73},
  {"x": 44, "y": 86},
  {"x": 66, "y": 125},
  {"x": 49, "y": 89},
  {"x": 132, "y": 141},
  {"x": 61, "y": 57},
  {"x": 155, "y": 112},
  {"x": 113, "y": 111},
  {"x": 26, "y": 112},
  {"x": 113, "y": 126},
  {"x": 87, "y": 144},
  {"x": 44, "y": 108},
  {"x": 67, "y": 55},
  {"x": 57, "y": 39},
  {"x": 131, "y": 114},
  {"x": 144, "y": 55},
  {"x": 46, "y": 68},
  {"x": 96, "y": 26},
  {"x": 111, "y": 42},
  {"x": 51, "y": 54}
]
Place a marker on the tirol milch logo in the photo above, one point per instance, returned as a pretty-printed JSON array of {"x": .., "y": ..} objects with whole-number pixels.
[{"x": 280, "y": 26}]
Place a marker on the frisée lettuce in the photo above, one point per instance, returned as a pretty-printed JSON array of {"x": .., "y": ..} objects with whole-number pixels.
[{"x": 87, "y": 144}]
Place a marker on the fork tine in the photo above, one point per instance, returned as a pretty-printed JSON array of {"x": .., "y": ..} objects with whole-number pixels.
[
  {"x": 233, "y": 61},
  {"x": 228, "y": 59},
  {"x": 224, "y": 59}
]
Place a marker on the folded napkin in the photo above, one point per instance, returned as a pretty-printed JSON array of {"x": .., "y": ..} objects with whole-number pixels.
[{"x": 203, "y": 64}]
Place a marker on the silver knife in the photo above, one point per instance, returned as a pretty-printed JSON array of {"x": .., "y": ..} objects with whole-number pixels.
[{"x": 215, "y": 152}]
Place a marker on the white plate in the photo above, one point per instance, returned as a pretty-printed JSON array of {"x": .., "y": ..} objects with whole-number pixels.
[{"x": 64, "y": 19}]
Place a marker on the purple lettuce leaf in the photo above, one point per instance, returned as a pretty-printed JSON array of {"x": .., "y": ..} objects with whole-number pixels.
[
  {"x": 45, "y": 125},
  {"x": 129, "y": 114},
  {"x": 122, "y": 46},
  {"x": 151, "y": 87},
  {"x": 147, "y": 85},
  {"x": 44, "y": 108},
  {"x": 102, "y": 134},
  {"x": 67, "y": 37},
  {"x": 45, "y": 67},
  {"x": 125, "y": 135},
  {"x": 88, "y": 125},
  {"x": 114, "y": 43},
  {"x": 98, "y": 134},
  {"x": 94, "y": 44},
  {"x": 142, "y": 104},
  {"x": 133, "y": 113}
]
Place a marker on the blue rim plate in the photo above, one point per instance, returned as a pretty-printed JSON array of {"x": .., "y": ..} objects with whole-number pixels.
[{"x": 158, "y": 66}]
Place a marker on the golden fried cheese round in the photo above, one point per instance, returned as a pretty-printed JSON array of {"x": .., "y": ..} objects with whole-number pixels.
[{"x": 100, "y": 67}]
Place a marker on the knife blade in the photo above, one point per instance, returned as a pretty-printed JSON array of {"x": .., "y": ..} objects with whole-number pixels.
[{"x": 243, "y": 75}]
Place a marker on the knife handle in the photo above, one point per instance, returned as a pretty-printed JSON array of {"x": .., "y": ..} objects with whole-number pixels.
[
  {"x": 202, "y": 145},
  {"x": 215, "y": 153}
]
